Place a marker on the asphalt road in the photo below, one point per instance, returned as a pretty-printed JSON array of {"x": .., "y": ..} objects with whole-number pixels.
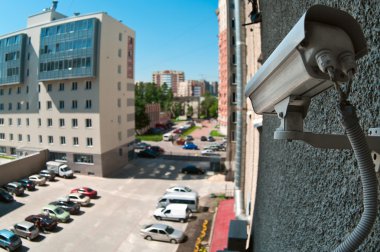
[{"x": 127, "y": 201}]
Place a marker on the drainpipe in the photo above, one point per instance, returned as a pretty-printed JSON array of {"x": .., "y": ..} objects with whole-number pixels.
[{"x": 239, "y": 196}]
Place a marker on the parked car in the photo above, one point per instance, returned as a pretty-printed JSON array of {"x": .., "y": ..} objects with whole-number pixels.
[
  {"x": 156, "y": 149},
  {"x": 162, "y": 232},
  {"x": 180, "y": 141},
  {"x": 77, "y": 198},
  {"x": 38, "y": 179},
  {"x": 42, "y": 222},
  {"x": 209, "y": 152},
  {"x": 203, "y": 138},
  {"x": 26, "y": 230},
  {"x": 189, "y": 138},
  {"x": 48, "y": 174},
  {"x": 210, "y": 139},
  {"x": 179, "y": 188},
  {"x": 147, "y": 154},
  {"x": 190, "y": 146},
  {"x": 14, "y": 188},
  {"x": 56, "y": 213},
  {"x": 173, "y": 212},
  {"x": 5, "y": 196},
  {"x": 141, "y": 146},
  {"x": 9, "y": 240},
  {"x": 69, "y": 206},
  {"x": 86, "y": 191},
  {"x": 192, "y": 169},
  {"x": 27, "y": 184}
]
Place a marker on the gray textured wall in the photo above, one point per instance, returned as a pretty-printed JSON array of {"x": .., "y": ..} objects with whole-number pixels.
[{"x": 309, "y": 199}]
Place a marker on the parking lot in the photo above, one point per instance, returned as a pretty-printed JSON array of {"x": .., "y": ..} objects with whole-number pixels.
[{"x": 112, "y": 222}]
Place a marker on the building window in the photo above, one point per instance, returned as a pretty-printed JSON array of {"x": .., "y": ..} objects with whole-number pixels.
[
  {"x": 1, "y": 91},
  {"x": 39, "y": 88},
  {"x": 28, "y": 56},
  {"x": 40, "y": 139},
  {"x": 88, "y": 123},
  {"x": 39, "y": 105},
  {"x": 39, "y": 122},
  {"x": 61, "y": 104},
  {"x": 19, "y": 137},
  {"x": 10, "y": 122},
  {"x": 49, "y": 87},
  {"x": 119, "y": 86},
  {"x": 11, "y": 137},
  {"x": 2, "y": 136},
  {"x": 28, "y": 138},
  {"x": 49, "y": 122},
  {"x": 50, "y": 139},
  {"x": 27, "y": 89},
  {"x": 61, "y": 86},
  {"x": 119, "y": 119},
  {"x": 119, "y": 103},
  {"x": 234, "y": 97},
  {"x": 130, "y": 87},
  {"x": 119, "y": 135},
  {"x": 1, "y": 121},
  {"x": 89, "y": 142},
  {"x": 75, "y": 141},
  {"x": 27, "y": 72},
  {"x": 61, "y": 122},
  {"x": 1, "y": 106},
  {"x": 119, "y": 69},
  {"x": 18, "y": 121},
  {"x": 63, "y": 140},
  {"x": 74, "y": 123},
  {"x": 10, "y": 91},
  {"x": 81, "y": 158},
  {"x": 120, "y": 36},
  {"x": 119, "y": 53},
  {"x": 234, "y": 116},
  {"x": 88, "y": 85},
  {"x": 88, "y": 104},
  {"x": 74, "y": 86},
  {"x": 74, "y": 104},
  {"x": 9, "y": 106},
  {"x": 27, "y": 121},
  {"x": 130, "y": 102},
  {"x": 19, "y": 90},
  {"x": 18, "y": 105},
  {"x": 49, "y": 105},
  {"x": 27, "y": 105}
]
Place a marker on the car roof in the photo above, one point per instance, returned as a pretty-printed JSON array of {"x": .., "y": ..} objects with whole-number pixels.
[
  {"x": 50, "y": 207},
  {"x": 158, "y": 226},
  {"x": 74, "y": 194},
  {"x": 5, "y": 232},
  {"x": 26, "y": 224}
]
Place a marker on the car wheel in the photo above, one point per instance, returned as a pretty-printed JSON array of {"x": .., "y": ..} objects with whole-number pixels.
[
  {"x": 182, "y": 220},
  {"x": 173, "y": 241},
  {"x": 149, "y": 238}
]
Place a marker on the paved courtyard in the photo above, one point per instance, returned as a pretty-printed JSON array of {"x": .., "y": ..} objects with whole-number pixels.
[{"x": 127, "y": 201}]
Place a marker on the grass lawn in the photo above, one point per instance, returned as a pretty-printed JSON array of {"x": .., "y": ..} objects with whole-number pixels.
[
  {"x": 216, "y": 133},
  {"x": 7, "y": 157},
  {"x": 189, "y": 131},
  {"x": 155, "y": 138}
]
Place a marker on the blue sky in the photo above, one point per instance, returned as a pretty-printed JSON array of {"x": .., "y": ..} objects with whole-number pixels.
[{"x": 170, "y": 34}]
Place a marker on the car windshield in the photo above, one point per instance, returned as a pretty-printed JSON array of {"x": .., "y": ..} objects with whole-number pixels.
[
  {"x": 187, "y": 189},
  {"x": 14, "y": 238},
  {"x": 32, "y": 228},
  {"x": 89, "y": 190},
  {"x": 59, "y": 210},
  {"x": 65, "y": 169},
  {"x": 81, "y": 196},
  {"x": 169, "y": 230}
]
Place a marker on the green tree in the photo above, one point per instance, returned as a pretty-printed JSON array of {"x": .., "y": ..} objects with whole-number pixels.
[
  {"x": 190, "y": 111},
  {"x": 209, "y": 106}
]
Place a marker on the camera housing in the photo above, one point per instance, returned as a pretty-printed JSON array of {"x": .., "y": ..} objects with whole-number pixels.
[{"x": 297, "y": 67}]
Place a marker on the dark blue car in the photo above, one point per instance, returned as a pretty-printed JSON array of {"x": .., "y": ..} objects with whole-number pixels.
[
  {"x": 5, "y": 196},
  {"x": 190, "y": 146},
  {"x": 9, "y": 241}
]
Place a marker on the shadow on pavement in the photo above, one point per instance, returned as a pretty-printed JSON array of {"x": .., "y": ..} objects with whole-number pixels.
[{"x": 6, "y": 208}]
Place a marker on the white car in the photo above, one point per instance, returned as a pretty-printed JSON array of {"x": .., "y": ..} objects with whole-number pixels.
[
  {"x": 38, "y": 179},
  {"x": 77, "y": 198},
  {"x": 209, "y": 152},
  {"x": 178, "y": 188}
]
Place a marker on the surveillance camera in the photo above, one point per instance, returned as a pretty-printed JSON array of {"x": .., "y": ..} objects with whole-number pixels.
[{"x": 323, "y": 38}]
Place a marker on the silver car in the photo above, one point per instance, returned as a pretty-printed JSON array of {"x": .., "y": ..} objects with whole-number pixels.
[
  {"x": 26, "y": 230},
  {"x": 162, "y": 232}
]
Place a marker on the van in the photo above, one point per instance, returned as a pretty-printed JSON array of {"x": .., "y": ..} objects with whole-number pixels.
[
  {"x": 175, "y": 212},
  {"x": 188, "y": 198},
  {"x": 167, "y": 137},
  {"x": 59, "y": 169}
]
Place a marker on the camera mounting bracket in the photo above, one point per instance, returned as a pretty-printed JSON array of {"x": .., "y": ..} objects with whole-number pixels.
[{"x": 292, "y": 111}]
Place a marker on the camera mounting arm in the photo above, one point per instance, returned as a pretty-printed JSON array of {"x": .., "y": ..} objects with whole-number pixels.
[{"x": 292, "y": 111}]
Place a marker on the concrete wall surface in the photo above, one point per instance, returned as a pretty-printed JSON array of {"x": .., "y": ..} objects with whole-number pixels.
[
  {"x": 22, "y": 167},
  {"x": 310, "y": 199}
]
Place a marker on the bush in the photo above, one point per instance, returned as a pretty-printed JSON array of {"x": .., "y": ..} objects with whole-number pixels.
[
  {"x": 154, "y": 138},
  {"x": 216, "y": 133}
]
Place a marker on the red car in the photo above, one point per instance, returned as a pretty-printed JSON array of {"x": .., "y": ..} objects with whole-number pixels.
[{"x": 86, "y": 191}]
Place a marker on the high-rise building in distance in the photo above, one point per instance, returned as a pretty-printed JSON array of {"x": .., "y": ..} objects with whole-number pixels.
[{"x": 170, "y": 77}]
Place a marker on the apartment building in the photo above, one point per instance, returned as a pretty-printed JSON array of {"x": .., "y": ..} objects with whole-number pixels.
[
  {"x": 67, "y": 85},
  {"x": 170, "y": 77}
]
